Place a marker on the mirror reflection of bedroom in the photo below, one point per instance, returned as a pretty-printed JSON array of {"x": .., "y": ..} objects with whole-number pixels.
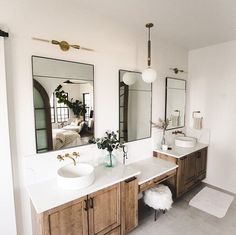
[{"x": 63, "y": 103}]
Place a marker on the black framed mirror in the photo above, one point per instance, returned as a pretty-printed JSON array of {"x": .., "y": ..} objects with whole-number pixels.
[
  {"x": 135, "y": 106},
  {"x": 63, "y": 103},
  {"x": 175, "y": 102}
]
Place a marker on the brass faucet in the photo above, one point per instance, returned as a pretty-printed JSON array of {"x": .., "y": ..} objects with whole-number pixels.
[
  {"x": 67, "y": 155},
  {"x": 178, "y": 132}
]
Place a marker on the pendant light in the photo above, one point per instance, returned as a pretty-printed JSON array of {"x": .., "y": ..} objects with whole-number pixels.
[{"x": 149, "y": 75}]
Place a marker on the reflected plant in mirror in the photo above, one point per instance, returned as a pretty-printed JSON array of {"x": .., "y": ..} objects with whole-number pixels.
[
  {"x": 175, "y": 102},
  {"x": 63, "y": 103},
  {"x": 135, "y": 106}
]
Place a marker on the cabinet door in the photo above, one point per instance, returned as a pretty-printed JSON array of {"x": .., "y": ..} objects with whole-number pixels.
[
  {"x": 180, "y": 184},
  {"x": 70, "y": 219},
  {"x": 104, "y": 212},
  {"x": 201, "y": 162},
  {"x": 186, "y": 173},
  {"x": 190, "y": 169}
]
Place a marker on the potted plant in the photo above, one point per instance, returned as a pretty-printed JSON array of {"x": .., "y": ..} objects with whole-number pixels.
[
  {"x": 109, "y": 142},
  {"x": 162, "y": 125},
  {"x": 77, "y": 106}
]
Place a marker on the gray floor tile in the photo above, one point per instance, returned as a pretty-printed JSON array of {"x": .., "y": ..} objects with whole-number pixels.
[{"x": 183, "y": 219}]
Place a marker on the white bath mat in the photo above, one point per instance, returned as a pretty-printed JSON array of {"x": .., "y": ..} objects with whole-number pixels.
[{"x": 212, "y": 202}]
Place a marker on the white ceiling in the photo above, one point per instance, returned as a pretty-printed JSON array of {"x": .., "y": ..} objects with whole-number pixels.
[{"x": 189, "y": 23}]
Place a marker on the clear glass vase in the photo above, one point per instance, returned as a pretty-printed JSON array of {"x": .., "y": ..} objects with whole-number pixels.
[
  {"x": 110, "y": 160},
  {"x": 163, "y": 141}
]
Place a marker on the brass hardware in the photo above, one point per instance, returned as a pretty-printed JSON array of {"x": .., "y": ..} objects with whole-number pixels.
[
  {"x": 130, "y": 179},
  {"x": 86, "y": 205},
  {"x": 64, "y": 45},
  {"x": 91, "y": 203},
  {"x": 67, "y": 155},
  {"x": 176, "y": 70}
]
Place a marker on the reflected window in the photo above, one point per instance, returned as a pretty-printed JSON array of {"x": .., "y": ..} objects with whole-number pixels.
[
  {"x": 87, "y": 103},
  {"x": 59, "y": 111}
]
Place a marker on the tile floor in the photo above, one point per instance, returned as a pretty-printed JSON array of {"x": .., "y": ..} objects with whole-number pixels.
[{"x": 183, "y": 219}]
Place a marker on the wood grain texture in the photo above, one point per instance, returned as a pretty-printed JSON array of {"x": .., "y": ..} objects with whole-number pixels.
[
  {"x": 68, "y": 219},
  {"x": 115, "y": 231},
  {"x": 157, "y": 180},
  {"x": 129, "y": 205},
  {"x": 191, "y": 169},
  {"x": 105, "y": 214}
]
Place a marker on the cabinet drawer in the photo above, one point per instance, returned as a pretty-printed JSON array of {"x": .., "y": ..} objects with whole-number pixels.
[
  {"x": 151, "y": 183},
  {"x": 167, "y": 158}
]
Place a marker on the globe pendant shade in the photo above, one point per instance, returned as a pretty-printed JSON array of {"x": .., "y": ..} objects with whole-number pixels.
[
  {"x": 129, "y": 78},
  {"x": 149, "y": 75}
]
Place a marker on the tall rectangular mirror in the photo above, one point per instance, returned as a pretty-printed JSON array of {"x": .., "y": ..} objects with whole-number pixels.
[
  {"x": 175, "y": 102},
  {"x": 63, "y": 103},
  {"x": 135, "y": 106}
]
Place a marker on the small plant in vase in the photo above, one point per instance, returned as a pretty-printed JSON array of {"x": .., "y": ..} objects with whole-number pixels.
[
  {"x": 109, "y": 142},
  {"x": 162, "y": 125}
]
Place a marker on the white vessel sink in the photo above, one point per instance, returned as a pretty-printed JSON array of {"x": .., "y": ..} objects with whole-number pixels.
[
  {"x": 185, "y": 142},
  {"x": 75, "y": 177}
]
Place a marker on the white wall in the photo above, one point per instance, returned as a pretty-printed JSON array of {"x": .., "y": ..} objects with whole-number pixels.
[
  {"x": 212, "y": 85},
  {"x": 115, "y": 48},
  {"x": 7, "y": 204}
]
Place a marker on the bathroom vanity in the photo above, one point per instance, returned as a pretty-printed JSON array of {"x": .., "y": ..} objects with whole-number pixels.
[
  {"x": 108, "y": 206},
  {"x": 192, "y": 165}
]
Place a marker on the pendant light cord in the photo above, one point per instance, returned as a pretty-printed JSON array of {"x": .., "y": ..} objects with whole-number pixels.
[{"x": 149, "y": 48}]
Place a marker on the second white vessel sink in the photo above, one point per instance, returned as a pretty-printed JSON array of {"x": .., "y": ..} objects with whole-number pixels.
[
  {"x": 75, "y": 177},
  {"x": 185, "y": 142}
]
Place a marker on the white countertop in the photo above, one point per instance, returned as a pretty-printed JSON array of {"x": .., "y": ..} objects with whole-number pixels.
[
  {"x": 151, "y": 168},
  {"x": 47, "y": 195},
  {"x": 179, "y": 152}
]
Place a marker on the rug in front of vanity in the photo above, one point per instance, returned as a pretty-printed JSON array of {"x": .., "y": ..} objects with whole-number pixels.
[{"x": 212, "y": 202}]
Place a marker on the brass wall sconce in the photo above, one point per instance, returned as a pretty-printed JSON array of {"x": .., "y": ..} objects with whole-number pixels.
[
  {"x": 64, "y": 45},
  {"x": 176, "y": 70}
]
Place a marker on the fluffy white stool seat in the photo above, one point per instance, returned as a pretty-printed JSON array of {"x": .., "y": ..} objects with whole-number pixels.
[{"x": 159, "y": 198}]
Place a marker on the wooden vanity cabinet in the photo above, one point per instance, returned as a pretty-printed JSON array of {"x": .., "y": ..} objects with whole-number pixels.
[
  {"x": 129, "y": 207},
  {"x": 104, "y": 210},
  {"x": 111, "y": 211},
  {"x": 191, "y": 169},
  {"x": 68, "y": 219}
]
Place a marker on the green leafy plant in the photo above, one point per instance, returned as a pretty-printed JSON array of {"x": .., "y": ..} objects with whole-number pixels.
[
  {"x": 109, "y": 142},
  {"x": 76, "y": 106}
]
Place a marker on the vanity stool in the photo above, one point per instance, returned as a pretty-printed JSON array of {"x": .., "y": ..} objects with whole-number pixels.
[{"x": 159, "y": 198}]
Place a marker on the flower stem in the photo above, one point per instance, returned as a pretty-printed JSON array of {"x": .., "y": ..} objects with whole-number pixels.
[{"x": 110, "y": 153}]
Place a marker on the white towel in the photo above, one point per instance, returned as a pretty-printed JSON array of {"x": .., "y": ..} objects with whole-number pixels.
[
  {"x": 197, "y": 123},
  {"x": 175, "y": 120}
]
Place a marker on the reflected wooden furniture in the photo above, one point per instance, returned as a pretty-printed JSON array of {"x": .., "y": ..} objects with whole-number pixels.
[
  {"x": 191, "y": 169},
  {"x": 112, "y": 211}
]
